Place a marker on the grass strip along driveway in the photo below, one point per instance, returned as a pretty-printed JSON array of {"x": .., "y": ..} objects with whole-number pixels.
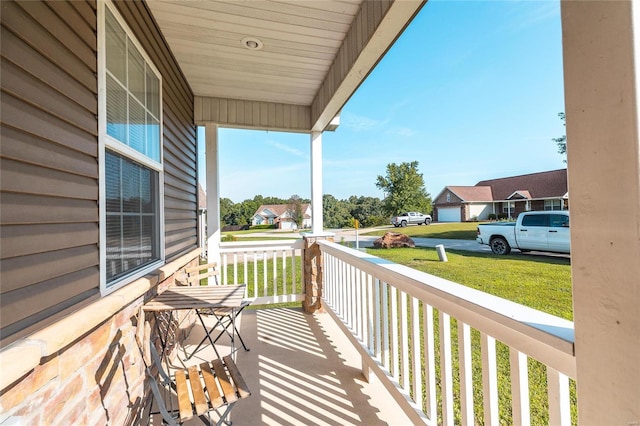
[
  {"x": 540, "y": 282},
  {"x": 454, "y": 231}
]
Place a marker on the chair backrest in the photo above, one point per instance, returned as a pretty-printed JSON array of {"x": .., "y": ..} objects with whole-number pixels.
[{"x": 195, "y": 273}]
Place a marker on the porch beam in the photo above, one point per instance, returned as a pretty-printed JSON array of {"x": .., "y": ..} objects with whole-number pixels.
[
  {"x": 373, "y": 31},
  {"x": 601, "y": 48}
]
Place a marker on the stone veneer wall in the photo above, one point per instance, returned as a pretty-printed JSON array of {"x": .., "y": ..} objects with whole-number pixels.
[{"x": 97, "y": 380}]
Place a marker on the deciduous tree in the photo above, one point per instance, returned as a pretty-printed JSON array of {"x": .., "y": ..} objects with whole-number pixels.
[
  {"x": 561, "y": 142},
  {"x": 294, "y": 209},
  {"x": 404, "y": 189}
]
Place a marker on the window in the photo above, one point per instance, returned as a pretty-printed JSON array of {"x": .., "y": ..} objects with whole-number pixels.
[
  {"x": 448, "y": 197},
  {"x": 552, "y": 205},
  {"x": 508, "y": 207},
  {"x": 535, "y": 220},
  {"x": 559, "y": 221},
  {"x": 130, "y": 154}
]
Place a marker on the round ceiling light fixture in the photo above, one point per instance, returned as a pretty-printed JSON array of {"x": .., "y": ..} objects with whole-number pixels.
[{"x": 252, "y": 43}]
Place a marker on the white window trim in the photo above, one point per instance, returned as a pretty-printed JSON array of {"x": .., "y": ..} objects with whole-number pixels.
[{"x": 105, "y": 141}]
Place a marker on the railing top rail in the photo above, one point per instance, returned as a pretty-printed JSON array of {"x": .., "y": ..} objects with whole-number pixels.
[
  {"x": 507, "y": 321},
  {"x": 236, "y": 246}
]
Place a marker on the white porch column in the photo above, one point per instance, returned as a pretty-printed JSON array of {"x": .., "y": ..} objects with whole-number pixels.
[
  {"x": 317, "y": 219},
  {"x": 213, "y": 194},
  {"x": 601, "y": 43}
]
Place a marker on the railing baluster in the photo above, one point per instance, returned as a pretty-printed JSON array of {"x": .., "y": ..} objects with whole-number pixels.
[
  {"x": 284, "y": 272},
  {"x": 370, "y": 314},
  {"x": 394, "y": 333},
  {"x": 265, "y": 284},
  {"x": 519, "y": 388},
  {"x": 376, "y": 319},
  {"x": 358, "y": 304},
  {"x": 294, "y": 277},
  {"x": 446, "y": 371},
  {"x": 246, "y": 275},
  {"x": 385, "y": 325},
  {"x": 235, "y": 268},
  {"x": 415, "y": 350},
  {"x": 274, "y": 256},
  {"x": 466, "y": 374},
  {"x": 489, "y": 380},
  {"x": 353, "y": 305},
  {"x": 404, "y": 340},
  {"x": 430, "y": 360},
  {"x": 255, "y": 274},
  {"x": 559, "y": 401}
]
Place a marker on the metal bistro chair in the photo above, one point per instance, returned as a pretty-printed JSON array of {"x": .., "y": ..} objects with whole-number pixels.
[
  {"x": 224, "y": 316},
  {"x": 198, "y": 389}
]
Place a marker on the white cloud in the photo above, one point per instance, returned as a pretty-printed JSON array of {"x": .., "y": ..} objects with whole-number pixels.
[
  {"x": 402, "y": 131},
  {"x": 287, "y": 149},
  {"x": 360, "y": 123}
]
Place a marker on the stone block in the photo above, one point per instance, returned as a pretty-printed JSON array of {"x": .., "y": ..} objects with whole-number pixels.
[
  {"x": 29, "y": 385},
  {"x": 393, "y": 240}
]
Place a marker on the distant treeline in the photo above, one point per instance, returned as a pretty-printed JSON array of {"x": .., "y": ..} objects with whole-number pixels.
[{"x": 337, "y": 213}]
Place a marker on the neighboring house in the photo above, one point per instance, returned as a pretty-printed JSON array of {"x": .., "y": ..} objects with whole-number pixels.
[
  {"x": 279, "y": 214},
  {"x": 503, "y": 197}
]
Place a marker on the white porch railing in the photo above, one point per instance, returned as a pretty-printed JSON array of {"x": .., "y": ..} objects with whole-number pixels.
[
  {"x": 389, "y": 311},
  {"x": 272, "y": 270}
]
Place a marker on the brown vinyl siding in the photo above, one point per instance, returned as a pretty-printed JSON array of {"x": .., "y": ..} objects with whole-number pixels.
[
  {"x": 49, "y": 221},
  {"x": 179, "y": 133},
  {"x": 49, "y": 166}
]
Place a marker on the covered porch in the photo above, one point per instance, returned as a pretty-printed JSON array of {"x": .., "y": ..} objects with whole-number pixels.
[{"x": 399, "y": 322}]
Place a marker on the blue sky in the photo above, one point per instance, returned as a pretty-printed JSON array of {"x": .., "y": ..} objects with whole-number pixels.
[{"x": 471, "y": 90}]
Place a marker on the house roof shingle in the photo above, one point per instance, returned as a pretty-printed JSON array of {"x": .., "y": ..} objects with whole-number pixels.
[
  {"x": 472, "y": 193},
  {"x": 278, "y": 209},
  {"x": 549, "y": 184}
]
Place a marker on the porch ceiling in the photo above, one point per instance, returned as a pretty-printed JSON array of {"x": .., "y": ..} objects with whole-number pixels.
[{"x": 314, "y": 55}]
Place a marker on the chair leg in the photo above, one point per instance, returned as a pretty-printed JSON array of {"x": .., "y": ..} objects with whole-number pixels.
[{"x": 166, "y": 416}]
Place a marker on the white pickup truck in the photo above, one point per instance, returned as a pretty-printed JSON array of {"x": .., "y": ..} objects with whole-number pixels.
[
  {"x": 540, "y": 231},
  {"x": 408, "y": 218}
]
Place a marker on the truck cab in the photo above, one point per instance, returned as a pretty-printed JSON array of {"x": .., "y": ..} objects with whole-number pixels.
[{"x": 540, "y": 231}]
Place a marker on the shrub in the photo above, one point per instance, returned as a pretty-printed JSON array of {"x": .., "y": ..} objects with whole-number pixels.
[
  {"x": 492, "y": 216},
  {"x": 228, "y": 238}
]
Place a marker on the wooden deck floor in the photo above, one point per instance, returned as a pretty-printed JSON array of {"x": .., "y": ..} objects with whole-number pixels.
[{"x": 301, "y": 370}]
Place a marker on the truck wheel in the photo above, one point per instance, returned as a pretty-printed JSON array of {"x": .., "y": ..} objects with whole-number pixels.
[
  {"x": 403, "y": 223},
  {"x": 499, "y": 246},
  {"x": 427, "y": 221}
]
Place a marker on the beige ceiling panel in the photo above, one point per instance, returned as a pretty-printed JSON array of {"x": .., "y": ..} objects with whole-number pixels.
[{"x": 310, "y": 54}]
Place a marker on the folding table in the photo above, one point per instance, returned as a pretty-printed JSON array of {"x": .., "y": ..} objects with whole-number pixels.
[{"x": 199, "y": 298}]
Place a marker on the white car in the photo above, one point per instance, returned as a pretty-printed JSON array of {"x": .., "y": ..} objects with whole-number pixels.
[{"x": 408, "y": 218}]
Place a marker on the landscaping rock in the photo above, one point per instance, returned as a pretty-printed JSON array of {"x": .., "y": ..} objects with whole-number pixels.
[{"x": 392, "y": 240}]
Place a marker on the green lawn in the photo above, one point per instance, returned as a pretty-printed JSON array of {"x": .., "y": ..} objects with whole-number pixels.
[
  {"x": 457, "y": 231},
  {"x": 264, "y": 238},
  {"x": 541, "y": 282}
]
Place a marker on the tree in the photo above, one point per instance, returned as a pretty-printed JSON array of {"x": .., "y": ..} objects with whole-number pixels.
[
  {"x": 335, "y": 212},
  {"x": 404, "y": 189},
  {"x": 561, "y": 142},
  {"x": 368, "y": 210},
  {"x": 294, "y": 209},
  {"x": 229, "y": 212}
]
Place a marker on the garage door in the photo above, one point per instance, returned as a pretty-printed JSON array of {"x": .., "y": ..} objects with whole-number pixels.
[{"x": 448, "y": 214}]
